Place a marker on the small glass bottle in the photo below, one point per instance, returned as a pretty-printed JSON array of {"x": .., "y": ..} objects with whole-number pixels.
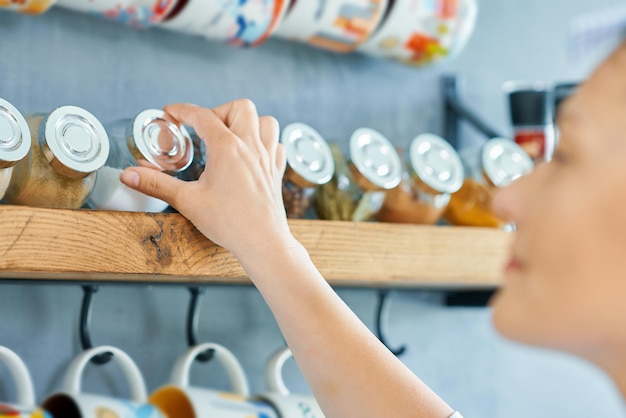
[
  {"x": 357, "y": 189},
  {"x": 69, "y": 145},
  {"x": 309, "y": 164},
  {"x": 15, "y": 142},
  {"x": 497, "y": 164},
  {"x": 435, "y": 172},
  {"x": 150, "y": 139}
]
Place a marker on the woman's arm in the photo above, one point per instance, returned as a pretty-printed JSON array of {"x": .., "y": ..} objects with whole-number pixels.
[{"x": 237, "y": 203}]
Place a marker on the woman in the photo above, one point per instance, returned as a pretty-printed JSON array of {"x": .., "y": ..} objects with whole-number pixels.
[{"x": 565, "y": 283}]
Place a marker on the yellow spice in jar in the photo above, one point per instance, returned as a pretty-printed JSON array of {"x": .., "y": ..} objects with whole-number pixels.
[
  {"x": 36, "y": 183},
  {"x": 471, "y": 206}
]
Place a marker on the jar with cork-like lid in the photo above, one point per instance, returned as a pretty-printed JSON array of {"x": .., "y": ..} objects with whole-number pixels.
[
  {"x": 357, "y": 190},
  {"x": 68, "y": 146},
  {"x": 498, "y": 163},
  {"x": 434, "y": 173},
  {"x": 310, "y": 164},
  {"x": 15, "y": 142},
  {"x": 151, "y": 139}
]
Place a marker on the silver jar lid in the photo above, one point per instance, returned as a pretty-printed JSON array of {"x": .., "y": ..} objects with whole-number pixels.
[
  {"x": 308, "y": 154},
  {"x": 375, "y": 158},
  {"x": 15, "y": 136},
  {"x": 504, "y": 161},
  {"x": 436, "y": 163},
  {"x": 73, "y": 141},
  {"x": 160, "y": 141}
]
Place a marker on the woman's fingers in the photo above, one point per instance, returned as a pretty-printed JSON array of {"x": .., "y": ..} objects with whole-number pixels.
[
  {"x": 154, "y": 183},
  {"x": 270, "y": 135}
]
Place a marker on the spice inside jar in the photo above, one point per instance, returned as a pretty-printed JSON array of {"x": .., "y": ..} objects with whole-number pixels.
[
  {"x": 310, "y": 163},
  {"x": 68, "y": 146},
  {"x": 14, "y": 142},
  {"x": 357, "y": 189},
  {"x": 151, "y": 139},
  {"x": 435, "y": 172},
  {"x": 500, "y": 162}
]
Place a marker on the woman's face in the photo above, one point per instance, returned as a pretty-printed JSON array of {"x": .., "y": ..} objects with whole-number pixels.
[{"x": 565, "y": 285}]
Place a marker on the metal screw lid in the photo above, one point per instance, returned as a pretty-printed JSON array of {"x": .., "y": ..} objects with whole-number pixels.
[
  {"x": 375, "y": 158},
  {"x": 14, "y": 135},
  {"x": 73, "y": 141},
  {"x": 436, "y": 163},
  {"x": 504, "y": 161},
  {"x": 308, "y": 154},
  {"x": 160, "y": 141}
]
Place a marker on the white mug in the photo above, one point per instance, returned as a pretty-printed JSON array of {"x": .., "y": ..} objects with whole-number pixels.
[
  {"x": 25, "y": 407},
  {"x": 71, "y": 402},
  {"x": 31, "y": 7},
  {"x": 338, "y": 25},
  {"x": 180, "y": 400},
  {"x": 137, "y": 13},
  {"x": 287, "y": 405},
  {"x": 423, "y": 33}
]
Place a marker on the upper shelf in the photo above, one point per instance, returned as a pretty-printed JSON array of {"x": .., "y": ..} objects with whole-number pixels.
[{"x": 50, "y": 244}]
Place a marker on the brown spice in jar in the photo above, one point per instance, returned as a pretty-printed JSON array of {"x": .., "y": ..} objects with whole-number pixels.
[
  {"x": 403, "y": 204},
  {"x": 36, "y": 183},
  {"x": 337, "y": 200},
  {"x": 297, "y": 199},
  {"x": 471, "y": 206}
]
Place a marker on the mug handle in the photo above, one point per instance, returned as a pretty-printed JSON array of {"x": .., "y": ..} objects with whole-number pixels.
[
  {"x": 73, "y": 377},
  {"x": 21, "y": 376},
  {"x": 236, "y": 375},
  {"x": 274, "y": 371}
]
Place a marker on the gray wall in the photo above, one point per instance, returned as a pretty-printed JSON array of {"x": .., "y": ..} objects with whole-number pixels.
[{"x": 66, "y": 58}]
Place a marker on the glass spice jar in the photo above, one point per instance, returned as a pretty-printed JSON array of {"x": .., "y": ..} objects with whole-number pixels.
[
  {"x": 68, "y": 145},
  {"x": 310, "y": 164},
  {"x": 497, "y": 164},
  {"x": 198, "y": 163},
  {"x": 150, "y": 139},
  {"x": 15, "y": 142},
  {"x": 357, "y": 189},
  {"x": 435, "y": 172}
]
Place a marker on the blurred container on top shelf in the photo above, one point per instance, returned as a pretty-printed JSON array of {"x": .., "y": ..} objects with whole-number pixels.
[
  {"x": 423, "y": 33},
  {"x": 135, "y": 13},
  {"x": 31, "y": 7},
  {"x": 337, "y": 25},
  {"x": 240, "y": 23}
]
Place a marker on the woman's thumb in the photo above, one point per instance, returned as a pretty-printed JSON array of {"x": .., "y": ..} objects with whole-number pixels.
[{"x": 153, "y": 183}]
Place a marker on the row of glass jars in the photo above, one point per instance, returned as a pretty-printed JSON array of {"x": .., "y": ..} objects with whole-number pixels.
[
  {"x": 67, "y": 159},
  {"x": 373, "y": 183}
]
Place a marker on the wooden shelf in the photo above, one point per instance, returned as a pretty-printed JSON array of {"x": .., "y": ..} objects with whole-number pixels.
[{"x": 50, "y": 244}]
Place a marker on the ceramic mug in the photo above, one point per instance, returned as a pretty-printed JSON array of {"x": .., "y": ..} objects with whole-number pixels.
[
  {"x": 287, "y": 405},
  {"x": 25, "y": 407},
  {"x": 71, "y": 402},
  {"x": 338, "y": 25},
  {"x": 136, "y": 13},
  {"x": 242, "y": 22},
  {"x": 31, "y": 7},
  {"x": 180, "y": 400},
  {"x": 423, "y": 32}
]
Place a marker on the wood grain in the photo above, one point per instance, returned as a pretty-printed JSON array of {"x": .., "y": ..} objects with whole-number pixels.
[{"x": 46, "y": 244}]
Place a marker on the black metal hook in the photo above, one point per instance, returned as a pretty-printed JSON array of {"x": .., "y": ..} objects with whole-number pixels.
[
  {"x": 380, "y": 311},
  {"x": 85, "y": 320},
  {"x": 193, "y": 316}
]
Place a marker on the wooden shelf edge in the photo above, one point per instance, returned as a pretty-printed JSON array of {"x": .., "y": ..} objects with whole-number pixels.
[{"x": 52, "y": 244}]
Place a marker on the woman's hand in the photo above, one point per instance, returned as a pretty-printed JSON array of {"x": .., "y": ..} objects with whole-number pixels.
[{"x": 237, "y": 201}]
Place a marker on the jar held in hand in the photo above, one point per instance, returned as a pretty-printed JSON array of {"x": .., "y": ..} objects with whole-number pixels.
[
  {"x": 150, "y": 139},
  {"x": 435, "y": 172},
  {"x": 309, "y": 164},
  {"x": 68, "y": 145},
  {"x": 15, "y": 141}
]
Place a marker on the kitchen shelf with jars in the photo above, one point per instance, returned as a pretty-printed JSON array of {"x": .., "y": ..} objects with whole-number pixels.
[
  {"x": 415, "y": 33},
  {"x": 66, "y": 216}
]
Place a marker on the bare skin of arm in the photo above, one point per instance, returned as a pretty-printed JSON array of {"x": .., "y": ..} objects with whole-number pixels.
[{"x": 237, "y": 203}]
